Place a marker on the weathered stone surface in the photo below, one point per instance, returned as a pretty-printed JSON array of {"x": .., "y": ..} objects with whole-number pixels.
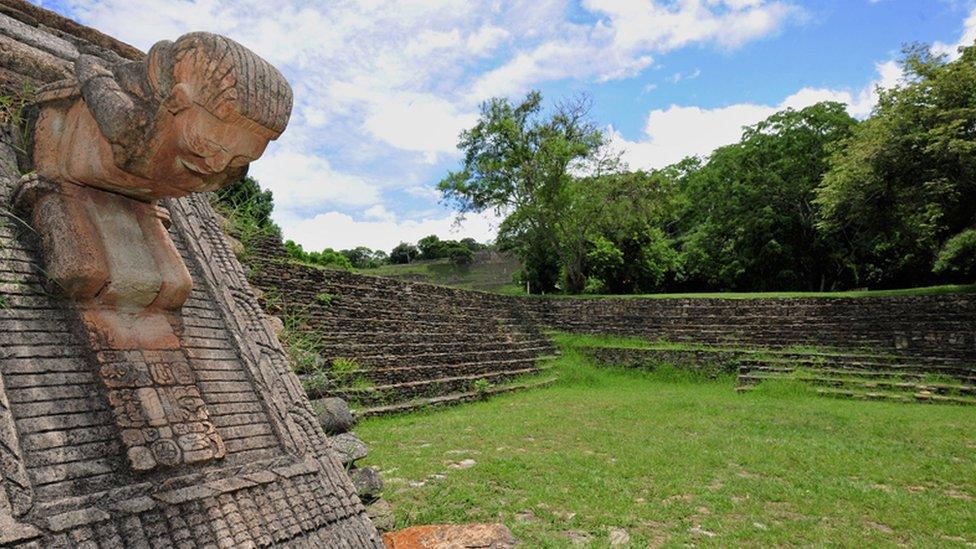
[
  {"x": 31, "y": 62},
  {"x": 335, "y": 416},
  {"x": 451, "y": 536},
  {"x": 368, "y": 483},
  {"x": 130, "y": 370},
  {"x": 35, "y": 16},
  {"x": 31, "y": 36},
  {"x": 381, "y": 514},
  {"x": 348, "y": 447}
]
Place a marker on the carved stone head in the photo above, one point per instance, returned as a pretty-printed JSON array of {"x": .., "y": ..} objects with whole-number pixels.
[
  {"x": 220, "y": 105},
  {"x": 190, "y": 117}
]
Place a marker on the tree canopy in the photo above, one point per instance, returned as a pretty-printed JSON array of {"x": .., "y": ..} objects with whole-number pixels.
[{"x": 808, "y": 199}]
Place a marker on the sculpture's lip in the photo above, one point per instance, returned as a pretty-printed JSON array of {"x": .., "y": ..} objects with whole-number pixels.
[{"x": 193, "y": 167}]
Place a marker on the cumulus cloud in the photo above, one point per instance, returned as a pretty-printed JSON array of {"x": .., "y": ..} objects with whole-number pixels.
[
  {"x": 967, "y": 38},
  {"x": 302, "y": 181},
  {"x": 679, "y": 131}
]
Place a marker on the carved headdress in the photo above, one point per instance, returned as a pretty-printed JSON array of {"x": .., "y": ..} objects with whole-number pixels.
[{"x": 225, "y": 78}]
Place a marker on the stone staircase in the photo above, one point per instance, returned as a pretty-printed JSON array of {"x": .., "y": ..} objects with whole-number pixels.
[
  {"x": 837, "y": 373},
  {"x": 867, "y": 377},
  {"x": 388, "y": 345}
]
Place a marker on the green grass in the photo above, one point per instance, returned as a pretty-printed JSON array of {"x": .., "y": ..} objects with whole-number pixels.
[
  {"x": 494, "y": 275},
  {"x": 676, "y": 460}
]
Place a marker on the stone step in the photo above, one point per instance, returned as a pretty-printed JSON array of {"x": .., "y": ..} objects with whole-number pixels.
[
  {"x": 450, "y": 399},
  {"x": 354, "y": 348},
  {"x": 861, "y": 373},
  {"x": 391, "y": 394},
  {"x": 902, "y": 366},
  {"x": 897, "y": 397},
  {"x": 425, "y": 372},
  {"x": 902, "y": 397},
  {"x": 870, "y": 385},
  {"x": 371, "y": 363}
]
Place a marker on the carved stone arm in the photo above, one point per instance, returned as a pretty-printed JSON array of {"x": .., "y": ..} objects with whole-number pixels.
[{"x": 123, "y": 119}]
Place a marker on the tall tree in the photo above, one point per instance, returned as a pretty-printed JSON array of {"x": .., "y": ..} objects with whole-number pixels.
[
  {"x": 750, "y": 218},
  {"x": 521, "y": 162},
  {"x": 905, "y": 182}
]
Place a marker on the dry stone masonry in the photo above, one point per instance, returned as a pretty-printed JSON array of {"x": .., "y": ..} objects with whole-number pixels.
[
  {"x": 144, "y": 398},
  {"x": 408, "y": 344},
  {"x": 922, "y": 326}
]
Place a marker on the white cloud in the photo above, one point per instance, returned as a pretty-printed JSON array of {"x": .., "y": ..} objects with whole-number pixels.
[
  {"x": 679, "y": 76},
  {"x": 379, "y": 213},
  {"x": 622, "y": 43},
  {"x": 967, "y": 38},
  {"x": 300, "y": 180},
  {"x": 427, "y": 193},
  {"x": 679, "y": 131},
  {"x": 421, "y": 123},
  {"x": 340, "y": 231}
]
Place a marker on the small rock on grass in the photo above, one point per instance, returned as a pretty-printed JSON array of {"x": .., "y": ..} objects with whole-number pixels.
[
  {"x": 335, "y": 417},
  {"x": 618, "y": 537},
  {"x": 579, "y": 538},
  {"x": 348, "y": 447},
  {"x": 463, "y": 464},
  {"x": 381, "y": 513},
  {"x": 367, "y": 482}
]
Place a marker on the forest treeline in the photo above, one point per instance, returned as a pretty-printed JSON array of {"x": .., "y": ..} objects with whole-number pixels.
[{"x": 808, "y": 199}]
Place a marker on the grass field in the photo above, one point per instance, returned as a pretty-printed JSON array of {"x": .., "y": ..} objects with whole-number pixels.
[
  {"x": 674, "y": 460},
  {"x": 489, "y": 272}
]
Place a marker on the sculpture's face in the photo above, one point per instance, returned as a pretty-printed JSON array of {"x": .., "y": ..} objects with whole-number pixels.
[{"x": 203, "y": 152}]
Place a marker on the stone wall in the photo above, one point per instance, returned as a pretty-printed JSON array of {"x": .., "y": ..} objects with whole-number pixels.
[
  {"x": 407, "y": 340},
  {"x": 922, "y": 326}
]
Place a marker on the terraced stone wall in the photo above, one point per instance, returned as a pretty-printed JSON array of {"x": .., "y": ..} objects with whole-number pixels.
[
  {"x": 922, "y": 326},
  {"x": 408, "y": 341}
]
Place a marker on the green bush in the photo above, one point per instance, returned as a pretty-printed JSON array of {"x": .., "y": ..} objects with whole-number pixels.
[
  {"x": 957, "y": 258},
  {"x": 460, "y": 256}
]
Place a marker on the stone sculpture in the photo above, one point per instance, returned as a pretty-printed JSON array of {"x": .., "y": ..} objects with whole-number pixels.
[
  {"x": 188, "y": 118},
  {"x": 144, "y": 398}
]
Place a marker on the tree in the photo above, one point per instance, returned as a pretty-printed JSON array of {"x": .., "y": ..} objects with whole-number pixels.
[
  {"x": 326, "y": 258},
  {"x": 750, "y": 219},
  {"x": 957, "y": 259},
  {"x": 521, "y": 163},
  {"x": 472, "y": 244},
  {"x": 431, "y": 247},
  {"x": 629, "y": 220},
  {"x": 460, "y": 256},
  {"x": 246, "y": 198},
  {"x": 404, "y": 253},
  {"x": 365, "y": 258},
  {"x": 905, "y": 181}
]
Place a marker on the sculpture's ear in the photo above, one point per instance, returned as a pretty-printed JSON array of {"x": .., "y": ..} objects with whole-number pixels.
[{"x": 179, "y": 99}]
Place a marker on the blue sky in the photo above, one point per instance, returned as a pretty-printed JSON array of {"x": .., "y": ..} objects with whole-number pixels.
[{"x": 383, "y": 87}]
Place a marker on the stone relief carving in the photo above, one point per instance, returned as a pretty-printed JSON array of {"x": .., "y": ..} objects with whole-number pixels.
[{"x": 107, "y": 145}]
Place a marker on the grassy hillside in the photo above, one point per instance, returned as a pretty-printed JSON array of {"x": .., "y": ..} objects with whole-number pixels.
[{"x": 490, "y": 272}]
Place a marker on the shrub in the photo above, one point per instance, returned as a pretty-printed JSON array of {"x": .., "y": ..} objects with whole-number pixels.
[
  {"x": 957, "y": 259},
  {"x": 481, "y": 388},
  {"x": 460, "y": 256}
]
